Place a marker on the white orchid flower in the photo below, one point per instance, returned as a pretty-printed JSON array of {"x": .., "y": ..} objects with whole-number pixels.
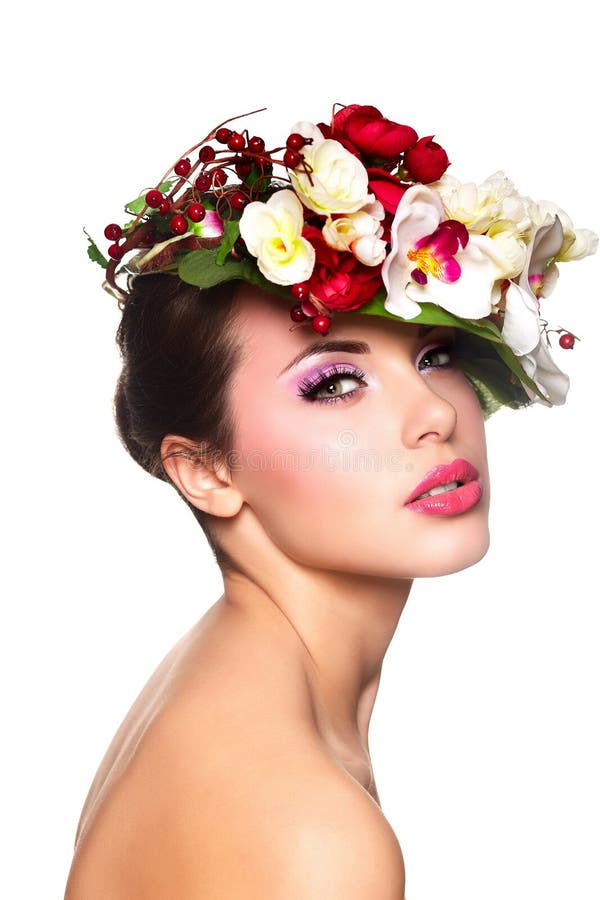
[
  {"x": 433, "y": 261},
  {"x": 521, "y": 327}
]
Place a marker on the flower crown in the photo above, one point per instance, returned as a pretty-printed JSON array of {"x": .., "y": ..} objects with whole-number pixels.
[{"x": 359, "y": 215}]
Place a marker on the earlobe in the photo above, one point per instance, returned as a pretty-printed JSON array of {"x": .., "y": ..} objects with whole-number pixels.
[{"x": 204, "y": 481}]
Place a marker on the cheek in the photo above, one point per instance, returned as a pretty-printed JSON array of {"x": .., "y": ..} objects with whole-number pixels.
[{"x": 316, "y": 486}]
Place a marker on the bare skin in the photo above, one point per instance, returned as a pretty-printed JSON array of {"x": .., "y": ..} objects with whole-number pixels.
[{"x": 255, "y": 725}]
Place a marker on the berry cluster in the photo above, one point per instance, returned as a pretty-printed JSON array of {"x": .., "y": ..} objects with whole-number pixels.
[{"x": 201, "y": 184}]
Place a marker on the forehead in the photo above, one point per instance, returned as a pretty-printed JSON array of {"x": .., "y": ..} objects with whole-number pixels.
[{"x": 268, "y": 334}]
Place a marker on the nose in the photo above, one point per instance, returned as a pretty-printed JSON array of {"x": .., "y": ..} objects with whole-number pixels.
[{"x": 427, "y": 415}]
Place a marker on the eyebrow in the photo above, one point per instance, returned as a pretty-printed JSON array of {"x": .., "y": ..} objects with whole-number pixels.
[{"x": 341, "y": 346}]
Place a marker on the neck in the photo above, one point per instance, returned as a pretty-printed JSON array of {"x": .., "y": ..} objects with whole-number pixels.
[{"x": 341, "y": 625}]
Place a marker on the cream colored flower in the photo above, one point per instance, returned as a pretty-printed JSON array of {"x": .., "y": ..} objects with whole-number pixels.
[
  {"x": 336, "y": 180},
  {"x": 479, "y": 206},
  {"x": 273, "y": 233},
  {"x": 359, "y": 233}
]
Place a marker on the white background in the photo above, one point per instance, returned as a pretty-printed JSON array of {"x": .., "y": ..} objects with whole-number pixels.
[{"x": 484, "y": 736}]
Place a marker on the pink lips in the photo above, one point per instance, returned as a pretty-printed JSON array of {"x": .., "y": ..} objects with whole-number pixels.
[{"x": 451, "y": 502}]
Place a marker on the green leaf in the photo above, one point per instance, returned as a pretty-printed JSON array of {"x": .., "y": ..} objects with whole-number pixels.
[
  {"x": 231, "y": 232},
  {"x": 432, "y": 314},
  {"x": 94, "y": 253},
  {"x": 200, "y": 268},
  {"x": 136, "y": 206}
]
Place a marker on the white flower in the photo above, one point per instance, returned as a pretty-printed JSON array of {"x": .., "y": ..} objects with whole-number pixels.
[
  {"x": 369, "y": 250},
  {"x": 336, "y": 181},
  {"x": 542, "y": 369},
  {"x": 508, "y": 246},
  {"x": 478, "y": 206},
  {"x": 470, "y": 272},
  {"x": 359, "y": 233},
  {"x": 273, "y": 233},
  {"x": 577, "y": 242},
  {"x": 521, "y": 327}
]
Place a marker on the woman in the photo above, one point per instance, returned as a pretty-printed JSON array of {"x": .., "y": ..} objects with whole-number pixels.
[{"x": 243, "y": 768}]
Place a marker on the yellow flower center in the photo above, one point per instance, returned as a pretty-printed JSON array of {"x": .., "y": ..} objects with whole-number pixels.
[{"x": 425, "y": 261}]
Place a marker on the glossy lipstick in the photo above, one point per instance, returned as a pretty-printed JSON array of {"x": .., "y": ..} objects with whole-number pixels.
[{"x": 449, "y": 503}]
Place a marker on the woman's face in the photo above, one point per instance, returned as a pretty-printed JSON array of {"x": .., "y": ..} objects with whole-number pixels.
[{"x": 327, "y": 463}]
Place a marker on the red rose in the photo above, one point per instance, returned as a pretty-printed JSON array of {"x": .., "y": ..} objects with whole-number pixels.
[
  {"x": 373, "y": 134},
  {"x": 341, "y": 115},
  {"x": 387, "y": 189},
  {"x": 426, "y": 161},
  {"x": 339, "y": 280}
]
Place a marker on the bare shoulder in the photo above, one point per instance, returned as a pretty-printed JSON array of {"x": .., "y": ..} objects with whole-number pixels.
[
  {"x": 228, "y": 792},
  {"x": 294, "y": 826},
  {"x": 281, "y": 824},
  {"x": 340, "y": 845}
]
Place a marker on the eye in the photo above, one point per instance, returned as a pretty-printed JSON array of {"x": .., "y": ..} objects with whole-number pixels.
[
  {"x": 445, "y": 355},
  {"x": 331, "y": 382}
]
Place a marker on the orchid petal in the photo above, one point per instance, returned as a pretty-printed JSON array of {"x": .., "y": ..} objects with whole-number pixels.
[
  {"x": 419, "y": 213},
  {"x": 450, "y": 270},
  {"x": 546, "y": 241},
  {"x": 551, "y": 380},
  {"x": 470, "y": 296},
  {"x": 521, "y": 328}
]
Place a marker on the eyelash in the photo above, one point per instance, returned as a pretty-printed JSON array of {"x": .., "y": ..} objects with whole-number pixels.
[{"x": 310, "y": 387}]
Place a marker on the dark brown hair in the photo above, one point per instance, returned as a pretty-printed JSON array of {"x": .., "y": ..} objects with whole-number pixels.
[{"x": 179, "y": 353}]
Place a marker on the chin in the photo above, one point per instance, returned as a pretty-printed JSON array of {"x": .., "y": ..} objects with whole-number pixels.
[{"x": 452, "y": 551}]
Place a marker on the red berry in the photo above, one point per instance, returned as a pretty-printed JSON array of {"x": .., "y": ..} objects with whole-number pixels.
[
  {"x": 236, "y": 141},
  {"x": 291, "y": 159},
  {"x": 295, "y": 141},
  {"x": 195, "y": 212},
  {"x": 115, "y": 251},
  {"x": 223, "y": 135},
  {"x": 113, "y": 232},
  {"x": 243, "y": 168},
  {"x": 256, "y": 145},
  {"x": 321, "y": 324},
  {"x": 154, "y": 199},
  {"x": 300, "y": 290},
  {"x": 238, "y": 200},
  {"x": 296, "y": 314},
  {"x": 164, "y": 208},
  {"x": 207, "y": 153},
  {"x": 183, "y": 167},
  {"x": 219, "y": 177},
  {"x": 179, "y": 224},
  {"x": 203, "y": 182},
  {"x": 567, "y": 340}
]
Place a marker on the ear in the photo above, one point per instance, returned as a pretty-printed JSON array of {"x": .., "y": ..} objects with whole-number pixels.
[{"x": 206, "y": 483}]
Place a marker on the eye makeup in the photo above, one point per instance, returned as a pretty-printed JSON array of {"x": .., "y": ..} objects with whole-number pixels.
[
  {"x": 323, "y": 378},
  {"x": 328, "y": 376},
  {"x": 445, "y": 347}
]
